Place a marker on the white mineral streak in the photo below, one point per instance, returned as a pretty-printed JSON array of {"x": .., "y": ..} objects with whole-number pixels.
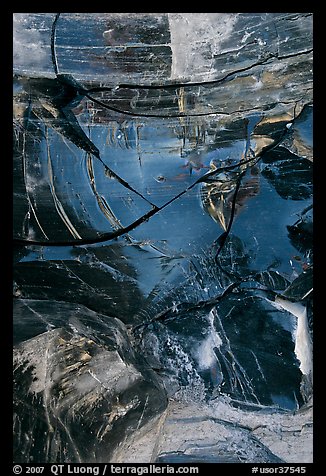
[
  {"x": 205, "y": 354},
  {"x": 303, "y": 344},
  {"x": 195, "y": 39},
  {"x": 28, "y": 44}
]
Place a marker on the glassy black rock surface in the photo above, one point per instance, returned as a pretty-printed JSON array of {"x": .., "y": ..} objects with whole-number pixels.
[{"x": 163, "y": 256}]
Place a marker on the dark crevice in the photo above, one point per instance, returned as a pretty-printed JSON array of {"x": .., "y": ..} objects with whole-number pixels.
[
  {"x": 186, "y": 307},
  {"x": 200, "y": 315},
  {"x": 148, "y": 115},
  {"x": 115, "y": 234},
  {"x": 223, "y": 238},
  {"x": 211, "y": 82},
  {"x": 125, "y": 184},
  {"x": 293, "y": 55},
  {"x": 76, "y": 89},
  {"x": 173, "y": 312},
  {"x": 53, "y": 50},
  {"x": 85, "y": 92}
]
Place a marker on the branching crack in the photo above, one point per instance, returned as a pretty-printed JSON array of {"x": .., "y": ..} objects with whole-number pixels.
[
  {"x": 115, "y": 234},
  {"x": 75, "y": 89},
  {"x": 86, "y": 92}
]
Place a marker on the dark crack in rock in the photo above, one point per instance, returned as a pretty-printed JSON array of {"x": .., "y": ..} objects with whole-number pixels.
[{"x": 163, "y": 231}]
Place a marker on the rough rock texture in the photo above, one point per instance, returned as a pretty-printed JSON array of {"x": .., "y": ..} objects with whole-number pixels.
[
  {"x": 82, "y": 394},
  {"x": 218, "y": 433}
]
